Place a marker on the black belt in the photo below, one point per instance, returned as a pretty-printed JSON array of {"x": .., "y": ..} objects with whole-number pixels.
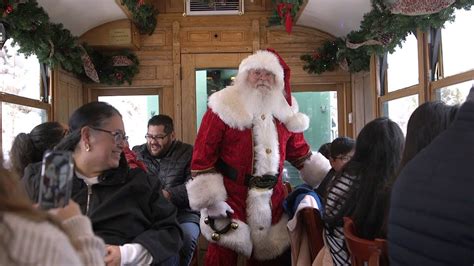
[{"x": 263, "y": 182}]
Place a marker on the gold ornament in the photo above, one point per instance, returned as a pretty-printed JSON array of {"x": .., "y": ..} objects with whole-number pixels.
[
  {"x": 234, "y": 225},
  {"x": 215, "y": 236}
]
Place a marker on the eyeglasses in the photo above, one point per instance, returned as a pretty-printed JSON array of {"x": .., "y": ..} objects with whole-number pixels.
[
  {"x": 155, "y": 137},
  {"x": 343, "y": 158},
  {"x": 261, "y": 73},
  {"x": 119, "y": 136}
]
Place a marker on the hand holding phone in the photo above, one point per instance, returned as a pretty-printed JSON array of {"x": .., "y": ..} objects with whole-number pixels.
[{"x": 56, "y": 179}]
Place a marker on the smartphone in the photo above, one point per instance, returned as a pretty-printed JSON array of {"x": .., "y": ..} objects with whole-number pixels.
[{"x": 56, "y": 179}]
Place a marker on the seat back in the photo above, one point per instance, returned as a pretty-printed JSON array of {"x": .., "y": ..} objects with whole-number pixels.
[
  {"x": 314, "y": 228},
  {"x": 374, "y": 252}
]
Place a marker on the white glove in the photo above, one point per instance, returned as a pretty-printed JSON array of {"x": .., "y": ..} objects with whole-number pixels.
[{"x": 219, "y": 210}]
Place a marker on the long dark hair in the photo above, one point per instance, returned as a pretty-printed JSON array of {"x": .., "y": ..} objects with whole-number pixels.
[
  {"x": 377, "y": 156},
  {"x": 92, "y": 114},
  {"x": 29, "y": 147},
  {"x": 424, "y": 125}
]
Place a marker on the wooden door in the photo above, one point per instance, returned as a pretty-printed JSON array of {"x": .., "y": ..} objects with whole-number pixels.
[{"x": 190, "y": 63}]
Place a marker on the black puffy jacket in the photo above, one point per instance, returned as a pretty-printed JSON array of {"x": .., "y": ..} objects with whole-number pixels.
[
  {"x": 431, "y": 218},
  {"x": 126, "y": 206},
  {"x": 173, "y": 170}
]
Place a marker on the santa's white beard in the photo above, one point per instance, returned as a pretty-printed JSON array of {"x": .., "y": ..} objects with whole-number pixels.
[{"x": 262, "y": 98}]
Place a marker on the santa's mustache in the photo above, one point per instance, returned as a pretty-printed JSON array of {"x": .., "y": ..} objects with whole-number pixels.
[{"x": 263, "y": 83}]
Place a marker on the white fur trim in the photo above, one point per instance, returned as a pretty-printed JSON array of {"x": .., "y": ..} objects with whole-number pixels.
[
  {"x": 315, "y": 169},
  {"x": 205, "y": 190},
  {"x": 298, "y": 123},
  {"x": 269, "y": 240},
  {"x": 266, "y": 147},
  {"x": 237, "y": 240},
  {"x": 230, "y": 108},
  {"x": 294, "y": 121}
]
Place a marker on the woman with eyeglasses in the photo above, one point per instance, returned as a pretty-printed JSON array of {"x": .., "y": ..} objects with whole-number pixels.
[{"x": 126, "y": 207}]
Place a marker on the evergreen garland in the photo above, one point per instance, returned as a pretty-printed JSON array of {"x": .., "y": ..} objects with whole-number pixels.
[
  {"x": 29, "y": 27},
  {"x": 390, "y": 30},
  {"x": 143, "y": 15}
]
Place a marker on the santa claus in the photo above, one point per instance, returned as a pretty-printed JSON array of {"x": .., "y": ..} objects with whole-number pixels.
[{"x": 248, "y": 131}]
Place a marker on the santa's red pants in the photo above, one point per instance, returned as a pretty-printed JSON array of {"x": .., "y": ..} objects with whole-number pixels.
[{"x": 220, "y": 256}]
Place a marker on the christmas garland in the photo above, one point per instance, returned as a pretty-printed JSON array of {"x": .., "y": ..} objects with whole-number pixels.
[
  {"x": 380, "y": 31},
  {"x": 29, "y": 27},
  {"x": 143, "y": 15},
  {"x": 285, "y": 13}
]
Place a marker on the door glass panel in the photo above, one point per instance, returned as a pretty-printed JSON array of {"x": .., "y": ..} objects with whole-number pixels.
[
  {"x": 17, "y": 119},
  {"x": 454, "y": 94},
  {"x": 399, "y": 110},
  {"x": 209, "y": 81},
  {"x": 136, "y": 110},
  {"x": 321, "y": 108}
]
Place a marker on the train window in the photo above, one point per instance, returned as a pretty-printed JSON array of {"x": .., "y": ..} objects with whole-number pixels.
[
  {"x": 454, "y": 94},
  {"x": 14, "y": 117},
  {"x": 399, "y": 110},
  {"x": 136, "y": 110},
  {"x": 19, "y": 75},
  {"x": 456, "y": 38},
  {"x": 20, "y": 87},
  {"x": 402, "y": 69}
]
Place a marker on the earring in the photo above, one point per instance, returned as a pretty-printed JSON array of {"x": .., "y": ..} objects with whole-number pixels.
[{"x": 88, "y": 148}]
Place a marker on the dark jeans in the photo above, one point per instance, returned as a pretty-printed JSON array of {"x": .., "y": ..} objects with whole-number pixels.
[{"x": 190, "y": 235}]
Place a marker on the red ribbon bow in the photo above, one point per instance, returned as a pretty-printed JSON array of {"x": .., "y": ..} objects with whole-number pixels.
[{"x": 284, "y": 10}]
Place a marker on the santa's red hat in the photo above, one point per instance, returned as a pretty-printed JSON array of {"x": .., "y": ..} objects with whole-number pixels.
[
  {"x": 286, "y": 75},
  {"x": 270, "y": 61}
]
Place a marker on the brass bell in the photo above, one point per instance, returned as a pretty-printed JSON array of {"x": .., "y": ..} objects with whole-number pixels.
[
  {"x": 206, "y": 220},
  {"x": 216, "y": 236},
  {"x": 234, "y": 225}
]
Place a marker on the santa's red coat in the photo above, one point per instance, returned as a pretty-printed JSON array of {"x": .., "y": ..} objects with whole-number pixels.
[{"x": 256, "y": 147}]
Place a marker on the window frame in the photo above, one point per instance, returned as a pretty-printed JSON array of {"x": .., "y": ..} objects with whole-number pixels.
[
  {"x": 417, "y": 89},
  {"x": 43, "y": 103}
]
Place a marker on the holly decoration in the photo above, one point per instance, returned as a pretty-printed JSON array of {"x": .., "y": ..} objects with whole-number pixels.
[
  {"x": 29, "y": 27},
  {"x": 380, "y": 31},
  {"x": 285, "y": 13}
]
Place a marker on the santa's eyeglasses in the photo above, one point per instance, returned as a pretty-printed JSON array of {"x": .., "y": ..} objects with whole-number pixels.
[{"x": 258, "y": 73}]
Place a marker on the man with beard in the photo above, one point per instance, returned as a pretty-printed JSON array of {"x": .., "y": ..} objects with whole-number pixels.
[
  {"x": 248, "y": 131},
  {"x": 169, "y": 160}
]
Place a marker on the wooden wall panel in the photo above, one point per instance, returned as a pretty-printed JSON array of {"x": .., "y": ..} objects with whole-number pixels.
[
  {"x": 362, "y": 103},
  {"x": 174, "y": 6},
  {"x": 67, "y": 95},
  {"x": 163, "y": 63}
]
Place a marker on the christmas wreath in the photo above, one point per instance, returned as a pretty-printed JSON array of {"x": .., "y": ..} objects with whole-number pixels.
[
  {"x": 381, "y": 30},
  {"x": 29, "y": 27}
]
